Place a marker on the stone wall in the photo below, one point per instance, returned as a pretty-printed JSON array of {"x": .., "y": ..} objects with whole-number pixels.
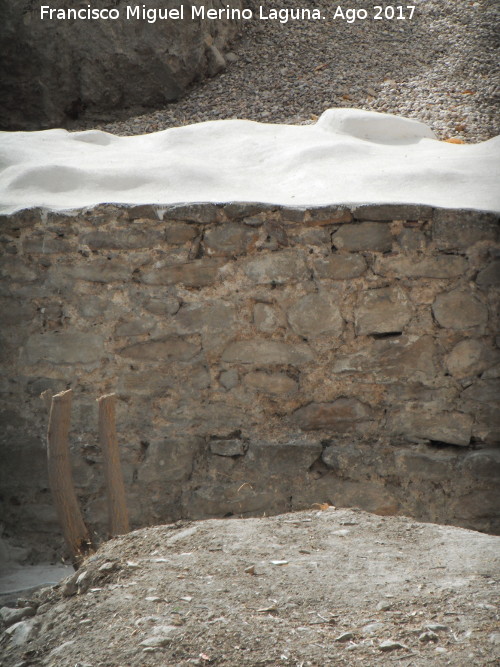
[{"x": 265, "y": 359}]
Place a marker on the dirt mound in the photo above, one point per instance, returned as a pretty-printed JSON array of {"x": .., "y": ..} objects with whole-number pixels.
[{"x": 314, "y": 588}]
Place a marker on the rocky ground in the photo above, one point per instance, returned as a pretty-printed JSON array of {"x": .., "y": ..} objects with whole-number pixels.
[
  {"x": 440, "y": 67},
  {"x": 314, "y": 588}
]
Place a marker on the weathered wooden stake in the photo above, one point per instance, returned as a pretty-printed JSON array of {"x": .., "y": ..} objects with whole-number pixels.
[
  {"x": 117, "y": 506},
  {"x": 60, "y": 478}
]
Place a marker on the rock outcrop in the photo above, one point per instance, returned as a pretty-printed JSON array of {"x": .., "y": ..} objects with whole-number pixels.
[{"x": 55, "y": 70}]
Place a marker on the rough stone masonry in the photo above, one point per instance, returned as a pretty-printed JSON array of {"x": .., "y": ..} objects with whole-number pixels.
[{"x": 265, "y": 359}]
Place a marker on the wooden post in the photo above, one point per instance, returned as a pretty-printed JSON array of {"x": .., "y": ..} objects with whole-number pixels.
[
  {"x": 61, "y": 481},
  {"x": 117, "y": 506}
]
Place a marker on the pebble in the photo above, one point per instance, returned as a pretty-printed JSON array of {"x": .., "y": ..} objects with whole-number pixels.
[
  {"x": 288, "y": 73},
  {"x": 428, "y": 637},
  {"x": 345, "y": 637},
  {"x": 372, "y": 628},
  {"x": 437, "y": 627},
  {"x": 389, "y": 645}
]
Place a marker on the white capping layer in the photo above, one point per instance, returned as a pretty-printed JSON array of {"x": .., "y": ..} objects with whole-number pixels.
[{"x": 349, "y": 157}]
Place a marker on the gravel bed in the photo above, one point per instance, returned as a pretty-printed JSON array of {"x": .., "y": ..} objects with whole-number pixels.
[{"x": 440, "y": 67}]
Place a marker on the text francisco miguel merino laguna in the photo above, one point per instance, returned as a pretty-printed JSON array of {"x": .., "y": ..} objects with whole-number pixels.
[{"x": 151, "y": 15}]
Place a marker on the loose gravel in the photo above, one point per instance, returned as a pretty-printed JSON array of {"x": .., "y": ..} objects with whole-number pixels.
[
  {"x": 320, "y": 588},
  {"x": 440, "y": 67}
]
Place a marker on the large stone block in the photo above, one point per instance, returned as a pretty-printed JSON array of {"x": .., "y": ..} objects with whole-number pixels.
[
  {"x": 204, "y": 213},
  {"x": 281, "y": 461},
  {"x": 267, "y": 353},
  {"x": 393, "y": 212},
  {"x": 363, "y": 236},
  {"x": 315, "y": 315},
  {"x": 64, "y": 348},
  {"x": 340, "y": 266},
  {"x": 229, "y": 239},
  {"x": 278, "y": 268},
  {"x": 483, "y": 391},
  {"x": 454, "y": 428},
  {"x": 471, "y": 357},
  {"x": 159, "y": 350},
  {"x": 178, "y": 233},
  {"x": 459, "y": 309},
  {"x": 490, "y": 275},
  {"x": 206, "y": 316},
  {"x": 169, "y": 460},
  {"x": 17, "y": 271},
  {"x": 154, "y": 382},
  {"x": 121, "y": 239},
  {"x": 401, "y": 357},
  {"x": 425, "y": 465},
  {"x": 483, "y": 464},
  {"x": 199, "y": 273},
  {"x": 14, "y": 312},
  {"x": 440, "y": 266},
  {"x": 341, "y": 415},
  {"x": 459, "y": 230},
  {"x": 97, "y": 271},
  {"x": 383, "y": 310}
]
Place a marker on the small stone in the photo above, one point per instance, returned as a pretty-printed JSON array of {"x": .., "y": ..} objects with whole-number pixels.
[
  {"x": 59, "y": 650},
  {"x": 271, "y": 383},
  {"x": 268, "y": 318},
  {"x": 428, "y": 637},
  {"x": 229, "y": 379},
  {"x": 250, "y": 569},
  {"x": 437, "y": 627},
  {"x": 389, "y": 645},
  {"x": 108, "y": 566},
  {"x": 345, "y": 637},
  {"x": 232, "y": 447},
  {"x": 156, "y": 642},
  {"x": 384, "y": 606},
  {"x": 341, "y": 414},
  {"x": 315, "y": 315},
  {"x": 372, "y": 628},
  {"x": 83, "y": 582}
]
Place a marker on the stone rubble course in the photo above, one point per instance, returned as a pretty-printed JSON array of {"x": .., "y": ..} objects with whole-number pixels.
[
  {"x": 259, "y": 367},
  {"x": 320, "y": 587},
  {"x": 440, "y": 68}
]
